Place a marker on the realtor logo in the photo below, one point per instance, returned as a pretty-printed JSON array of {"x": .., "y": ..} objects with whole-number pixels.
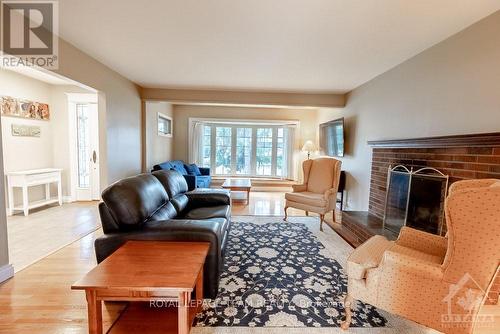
[
  {"x": 29, "y": 35},
  {"x": 468, "y": 295}
]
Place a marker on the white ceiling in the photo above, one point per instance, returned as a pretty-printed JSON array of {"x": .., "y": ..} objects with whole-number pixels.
[{"x": 284, "y": 45}]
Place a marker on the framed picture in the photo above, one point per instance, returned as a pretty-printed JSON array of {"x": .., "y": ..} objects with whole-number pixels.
[
  {"x": 164, "y": 125},
  {"x": 25, "y": 131},
  {"x": 24, "y": 108}
]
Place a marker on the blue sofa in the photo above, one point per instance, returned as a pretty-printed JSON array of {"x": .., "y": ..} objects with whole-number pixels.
[{"x": 193, "y": 181}]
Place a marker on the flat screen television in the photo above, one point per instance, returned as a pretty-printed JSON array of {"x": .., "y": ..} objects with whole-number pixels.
[{"x": 331, "y": 137}]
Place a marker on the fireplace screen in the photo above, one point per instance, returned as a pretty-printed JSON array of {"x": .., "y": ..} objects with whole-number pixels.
[
  {"x": 397, "y": 198},
  {"x": 415, "y": 199}
]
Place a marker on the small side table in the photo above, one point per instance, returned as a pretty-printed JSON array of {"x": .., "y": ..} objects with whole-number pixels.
[{"x": 34, "y": 177}]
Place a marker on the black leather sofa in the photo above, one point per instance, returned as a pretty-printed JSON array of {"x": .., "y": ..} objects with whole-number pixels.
[{"x": 158, "y": 206}]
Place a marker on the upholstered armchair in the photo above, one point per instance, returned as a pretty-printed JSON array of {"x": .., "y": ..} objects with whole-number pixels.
[
  {"x": 318, "y": 193},
  {"x": 436, "y": 281}
]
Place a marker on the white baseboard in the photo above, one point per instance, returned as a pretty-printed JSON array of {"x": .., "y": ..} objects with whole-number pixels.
[{"x": 6, "y": 272}]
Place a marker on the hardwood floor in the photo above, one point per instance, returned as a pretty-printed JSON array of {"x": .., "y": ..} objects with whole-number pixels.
[
  {"x": 39, "y": 298},
  {"x": 48, "y": 229}
]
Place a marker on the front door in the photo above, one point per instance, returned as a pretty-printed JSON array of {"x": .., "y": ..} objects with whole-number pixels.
[{"x": 87, "y": 144}]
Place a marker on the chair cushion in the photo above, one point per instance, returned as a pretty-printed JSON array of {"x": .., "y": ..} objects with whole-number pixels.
[
  {"x": 133, "y": 200},
  {"x": 178, "y": 166},
  {"x": 163, "y": 166},
  {"x": 308, "y": 198},
  {"x": 219, "y": 211},
  {"x": 366, "y": 256},
  {"x": 192, "y": 169},
  {"x": 173, "y": 182},
  {"x": 417, "y": 254},
  {"x": 321, "y": 175}
]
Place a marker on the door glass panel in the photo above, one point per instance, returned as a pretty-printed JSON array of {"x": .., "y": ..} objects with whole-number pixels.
[
  {"x": 264, "y": 150},
  {"x": 83, "y": 145},
  {"x": 223, "y": 150},
  {"x": 243, "y": 151}
]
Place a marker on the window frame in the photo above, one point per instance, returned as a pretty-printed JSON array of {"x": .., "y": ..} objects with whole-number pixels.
[
  {"x": 254, "y": 125},
  {"x": 165, "y": 119}
]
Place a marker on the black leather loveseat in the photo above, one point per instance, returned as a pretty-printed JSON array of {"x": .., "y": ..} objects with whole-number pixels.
[{"x": 158, "y": 206}]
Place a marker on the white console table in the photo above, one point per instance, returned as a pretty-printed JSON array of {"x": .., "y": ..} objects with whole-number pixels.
[{"x": 29, "y": 178}]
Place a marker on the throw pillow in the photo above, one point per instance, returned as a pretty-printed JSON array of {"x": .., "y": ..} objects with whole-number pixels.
[{"x": 193, "y": 169}]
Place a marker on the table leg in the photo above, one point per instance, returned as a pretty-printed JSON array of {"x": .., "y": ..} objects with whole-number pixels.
[
  {"x": 59, "y": 191},
  {"x": 183, "y": 313},
  {"x": 25, "y": 200},
  {"x": 94, "y": 307},
  {"x": 199, "y": 290},
  {"x": 248, "y": 196},
  {"x": 11, "y": 199},
  {"x": 47, "y": 191}
]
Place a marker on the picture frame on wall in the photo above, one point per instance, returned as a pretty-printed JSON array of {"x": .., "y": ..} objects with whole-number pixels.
[
  {"x": 23, "y": 108},
  {"x": 19, "y": 130},
  {"x": 165, "y": 125}
]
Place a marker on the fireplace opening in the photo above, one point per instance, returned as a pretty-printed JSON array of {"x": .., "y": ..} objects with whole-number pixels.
[{"x": 415, "y": 199}]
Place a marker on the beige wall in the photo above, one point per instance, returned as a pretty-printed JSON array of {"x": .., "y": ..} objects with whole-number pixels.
[
  {"x": 157, "y": 148},
  {"x": 451, "y": 88},
  {"x": 182, "y": 113}
]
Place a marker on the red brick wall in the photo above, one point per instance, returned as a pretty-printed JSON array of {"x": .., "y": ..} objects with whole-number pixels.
[{"x": 457, "y": 162}]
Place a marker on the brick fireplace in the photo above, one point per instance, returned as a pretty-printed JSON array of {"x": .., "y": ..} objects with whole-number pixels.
[{"x": 457, "y": 162}]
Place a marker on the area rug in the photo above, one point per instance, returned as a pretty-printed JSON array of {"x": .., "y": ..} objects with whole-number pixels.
[{"x": 278, "y": 274}]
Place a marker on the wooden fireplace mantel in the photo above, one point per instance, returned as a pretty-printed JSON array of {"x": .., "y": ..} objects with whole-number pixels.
[{"x": 469, "y": 140}]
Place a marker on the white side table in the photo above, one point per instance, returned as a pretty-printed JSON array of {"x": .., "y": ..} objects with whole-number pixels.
[{"x": 34, "y": 177}]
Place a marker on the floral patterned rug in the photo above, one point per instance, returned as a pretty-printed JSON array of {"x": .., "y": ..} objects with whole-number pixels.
[{"x": 276, "y": 275}]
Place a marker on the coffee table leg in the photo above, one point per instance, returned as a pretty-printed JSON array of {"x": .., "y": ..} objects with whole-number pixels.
[
  {"x": 94, "y": 307},
  {"x": 199, "y": 290},
  {"x": 248, "y": 196},
  {"x": 183, "y": 317}
]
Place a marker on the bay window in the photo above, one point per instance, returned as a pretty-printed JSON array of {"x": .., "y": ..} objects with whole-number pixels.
[{"x": 250, "y": 149}]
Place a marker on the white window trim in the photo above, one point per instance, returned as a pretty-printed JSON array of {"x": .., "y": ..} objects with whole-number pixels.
[
  {"x": 159, "y": 116},
  {"x": 250, "y": 123}
]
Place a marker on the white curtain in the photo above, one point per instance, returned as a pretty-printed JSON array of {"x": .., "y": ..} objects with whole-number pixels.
[
  {"x": 289, "y": 153},
  {"x": 196, "y": 142}
]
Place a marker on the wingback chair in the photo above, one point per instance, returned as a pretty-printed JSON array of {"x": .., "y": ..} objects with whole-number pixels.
[
  {"x": 436, "y": 281},
  {"x": 318, "y": 193}
]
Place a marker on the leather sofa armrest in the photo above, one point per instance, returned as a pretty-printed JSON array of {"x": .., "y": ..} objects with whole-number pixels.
[
  {"x": 204, "y": 170},
  {"x": 422, "y": 241},
  {"x": 299, "y": 187},
  {"x": 203, "y": 197},
  {"x": 191, "y": 181}
]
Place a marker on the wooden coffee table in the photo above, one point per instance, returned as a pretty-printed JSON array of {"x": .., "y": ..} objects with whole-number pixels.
[
  {"x": 238, "y": 185},
  {"x": 148, "y": 271}
]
